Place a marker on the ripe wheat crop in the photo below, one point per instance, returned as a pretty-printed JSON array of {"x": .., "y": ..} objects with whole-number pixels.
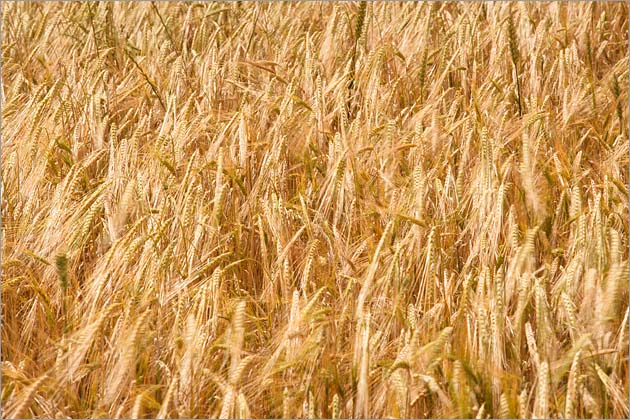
[{"x": 256, "y": 210}]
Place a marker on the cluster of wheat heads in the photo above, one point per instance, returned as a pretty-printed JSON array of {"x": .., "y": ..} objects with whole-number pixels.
[{"x": 314, "y": 210}]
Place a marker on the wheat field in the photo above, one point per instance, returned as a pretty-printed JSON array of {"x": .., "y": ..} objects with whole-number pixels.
[{"x": 372, "y": 210}]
